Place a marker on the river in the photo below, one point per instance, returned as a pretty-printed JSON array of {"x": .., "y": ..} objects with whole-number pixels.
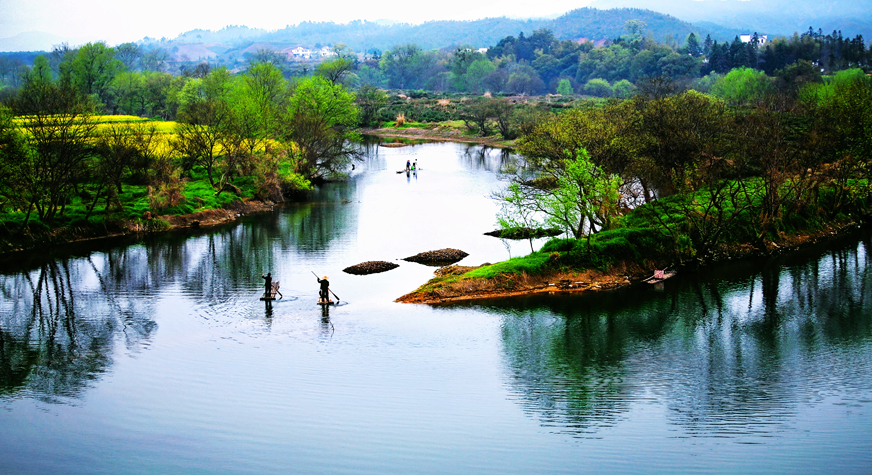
[{"x": 156, "y": 356}]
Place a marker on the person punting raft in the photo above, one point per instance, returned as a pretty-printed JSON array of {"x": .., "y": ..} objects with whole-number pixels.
[
  {"x": 270, "y": 288},
  {"x": 324, "y": 293}
]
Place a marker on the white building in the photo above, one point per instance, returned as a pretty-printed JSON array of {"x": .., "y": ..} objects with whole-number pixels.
[
  {"x": 300, "y": 52},
  {"x": 761, "y": 39}
]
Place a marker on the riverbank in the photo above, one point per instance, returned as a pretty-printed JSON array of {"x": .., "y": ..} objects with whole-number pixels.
[
  {"x": 438, "y": 134},
  {"x": 452, "y": 284},
  {"x": 33, "y": 239}
]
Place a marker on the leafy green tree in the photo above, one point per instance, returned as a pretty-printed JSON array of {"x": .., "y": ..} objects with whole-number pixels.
[
  {"x": 462, "y": 58},
  {"x": 402, "y": 66},
  {"x": 370, "y": 76},
  {"x": 516, "y": 211},
  {"x": 93, "y": 68},
  {"x": 15, "y": 155},
  {"x": 318, "y": 121},
  {"x": 478, "y": 115},
  {"x": 598, "y": 88},
  {"x": 202, "y": 136},
  {"x": 129, "y": 91},
  {"x": 564, "y": 87},
  {"x": 60, "y": 128},
  {"x": 523, "y": 79},
  {"x": 574, "y": 195},
  {"x": 130, "y": 55},
  {"x": 477, "y": 73},
  {"x": 335, "y": 69},
  {"x": 623, "y": 89},
  {"x": 743, "y": 86},
  {"x": 256, "y": 101},
  {"x": 674, "y": 133},
  {"x": 155, "y": 59},
  {"x": 370, "y": 100}
]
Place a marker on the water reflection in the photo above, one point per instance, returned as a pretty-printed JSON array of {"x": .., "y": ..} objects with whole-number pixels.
[
  {"x": 483, "y": 158},
  {"x": 59, "y": 324},
  {"x": 731, "y": 352}
]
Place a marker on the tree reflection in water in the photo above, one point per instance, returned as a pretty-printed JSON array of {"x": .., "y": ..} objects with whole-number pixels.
[
  {"x": 728, "y": 352},
  {"x": 58, "y": 326},
  {"x": 61, "y": 318}
]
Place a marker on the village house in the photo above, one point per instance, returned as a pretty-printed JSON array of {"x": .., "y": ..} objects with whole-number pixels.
[
  {"x": 301, "y": 52},
  {"x": 761, "y": 39}
]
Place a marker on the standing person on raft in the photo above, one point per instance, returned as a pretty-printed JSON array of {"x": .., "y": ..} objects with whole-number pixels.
[
  {"x": 267, "y": 284},
  {"x": 324, "y": 293}
]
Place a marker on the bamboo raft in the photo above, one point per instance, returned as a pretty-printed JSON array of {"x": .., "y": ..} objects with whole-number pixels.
[
  {"x": 271, "y": 294},
  {"x": 660, "y": 276}
]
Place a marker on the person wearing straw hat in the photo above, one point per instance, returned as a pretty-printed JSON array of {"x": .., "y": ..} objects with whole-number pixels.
[{"x": 325, "y": 289}]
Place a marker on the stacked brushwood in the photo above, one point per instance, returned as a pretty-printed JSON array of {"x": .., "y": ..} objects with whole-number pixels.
[
  {"x": 439, "y": 257},
  {"x": 370, "y": 267}
]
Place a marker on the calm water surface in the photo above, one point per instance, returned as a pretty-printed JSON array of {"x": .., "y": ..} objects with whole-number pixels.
[{"x": 157, "y": 356}]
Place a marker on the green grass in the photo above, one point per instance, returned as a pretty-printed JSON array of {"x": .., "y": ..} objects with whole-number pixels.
[
  {"x": 530, "y": 264},
  {"x": 407, "y": 125}
]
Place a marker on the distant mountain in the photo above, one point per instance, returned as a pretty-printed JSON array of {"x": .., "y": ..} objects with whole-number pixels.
[
  {"x": 771, "y": 17},
  {"x": 609, "y": 24},
  {"x": 36, "y": 41},
  {"x": 365, "y": 35}
]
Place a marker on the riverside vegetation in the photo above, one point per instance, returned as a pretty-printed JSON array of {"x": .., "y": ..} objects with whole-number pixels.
[
  {"x": 679, "y": 172},
  {"x": 677, "y": 178}
]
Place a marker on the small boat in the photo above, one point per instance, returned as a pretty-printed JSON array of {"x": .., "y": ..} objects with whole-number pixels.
[{"x": 660, "y": 276}]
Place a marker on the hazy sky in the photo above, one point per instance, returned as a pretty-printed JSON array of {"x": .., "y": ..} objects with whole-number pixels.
[{"x": 118, "y": 21}]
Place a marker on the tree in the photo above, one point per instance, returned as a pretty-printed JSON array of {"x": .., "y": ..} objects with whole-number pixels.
[
  {"x": 93, "y": 68},
  {"x": 516, "y": 212},
  {"x": 402, "y": 66},
  {"x": 333, "y": 70},
  {"x": 692, "y": 46},
  {"x": 129, "y": 91},
  {"x": 743, "y": 86},
  {"x": 675, "y": 132},
  {"x": 574, "y": 195},
  {"x": 598, "y": 88},
  {"x": 202, "y": 134},
  {"x": 130, "y": 55},
  {"x": 623, "y": 89},
  {"x": 476, "y": 73},
  {"x": 564, "y": 87},
  {"x": 15, "y": 154},
  {"x": 504, "y": 113},
  {"x": 523, "y": 79},
  {"x": 370, "y": 100},
  {"x": 462, "y": 59},
  {"x": 60, "y": 128},
  {"x": 256, "y": 102},
  {"x": 477, "y": 116},
  {"x": 318, "y": 120}
]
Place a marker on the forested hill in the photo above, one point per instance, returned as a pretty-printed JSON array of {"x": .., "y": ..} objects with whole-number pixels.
[
  {"x": 587, "y": 23},
  {"x": 771, "y": 17}
]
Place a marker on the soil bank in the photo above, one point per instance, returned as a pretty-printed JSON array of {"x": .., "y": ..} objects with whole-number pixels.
[
  {"x": 441, "y": 290},
  {"x": 29, "y": 241},
  {"x": 438, "y": 135}
]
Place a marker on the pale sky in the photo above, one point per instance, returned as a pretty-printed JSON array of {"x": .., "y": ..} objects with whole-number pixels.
[{"x": 117, "y": 21}]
